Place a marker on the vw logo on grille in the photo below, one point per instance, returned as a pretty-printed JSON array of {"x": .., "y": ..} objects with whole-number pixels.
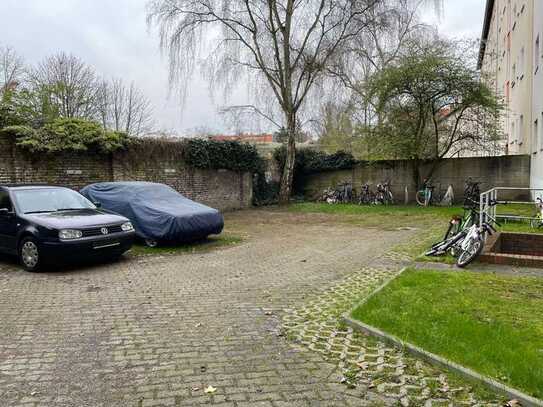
[{"x": 104, "y": 231}]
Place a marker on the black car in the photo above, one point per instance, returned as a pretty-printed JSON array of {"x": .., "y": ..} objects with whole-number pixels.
[{"x": 42, "y": 224}]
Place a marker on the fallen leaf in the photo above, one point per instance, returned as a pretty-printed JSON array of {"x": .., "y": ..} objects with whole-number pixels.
[
  {"x": 361, "y": 365},
  {"x": 210, "y": 390}
]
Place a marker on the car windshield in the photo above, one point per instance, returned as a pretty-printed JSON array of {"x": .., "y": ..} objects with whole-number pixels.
[{"x": 50, "y": 200}]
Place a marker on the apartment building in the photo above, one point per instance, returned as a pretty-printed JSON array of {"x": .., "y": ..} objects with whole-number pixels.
[
  {"x": 537, "y": 98},
  {"x": 511, "y": 62}
]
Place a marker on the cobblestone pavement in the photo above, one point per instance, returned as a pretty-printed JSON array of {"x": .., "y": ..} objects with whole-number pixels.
[{"x": 158, "y": 331}]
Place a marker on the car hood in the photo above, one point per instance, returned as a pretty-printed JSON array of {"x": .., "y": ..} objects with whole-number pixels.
[{"x": 81, "y": 218}]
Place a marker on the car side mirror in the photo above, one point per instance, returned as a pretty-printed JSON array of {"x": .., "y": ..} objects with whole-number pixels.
[
  {"x": 97, "y": 204},
  {"x": 5, "y": 212}
]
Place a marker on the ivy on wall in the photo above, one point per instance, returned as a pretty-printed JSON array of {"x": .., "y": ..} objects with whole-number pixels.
[
  {"x": 229, "y": 155},
  {"x": 310, "y": 161}
]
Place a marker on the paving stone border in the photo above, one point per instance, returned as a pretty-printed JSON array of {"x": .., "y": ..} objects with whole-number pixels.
[
  {"x": 436, "y": 360},
  {"x": 370, "y": 364}
]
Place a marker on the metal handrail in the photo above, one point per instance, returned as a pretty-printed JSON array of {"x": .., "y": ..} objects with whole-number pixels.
[{"x": 492, "y": 196}]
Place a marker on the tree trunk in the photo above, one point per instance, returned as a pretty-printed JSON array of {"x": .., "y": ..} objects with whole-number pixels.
[
  {"x": 416, "y": 174},
  {"x": 288, "y": 170}
]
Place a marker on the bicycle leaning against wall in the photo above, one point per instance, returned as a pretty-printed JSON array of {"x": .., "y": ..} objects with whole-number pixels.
[
  {"x": 366, "y": 197},
  {"x": 384, "y": 194},
  {"x": 471, "y": 191},
  {"x": 426, "y": 196}
]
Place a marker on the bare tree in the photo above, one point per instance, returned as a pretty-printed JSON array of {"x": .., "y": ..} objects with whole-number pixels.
[
  {"x": 286, "y": 44},
  {"x": 11, "y": 68},
  {"x": 384, "y": 41},
  {"x": 68, "y": 84},
  {"x": 247, "y": 117},
  {"x": 124, "y": 108}
]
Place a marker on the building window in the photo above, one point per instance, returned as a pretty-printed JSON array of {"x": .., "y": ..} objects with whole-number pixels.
[{"x": 513, "y": 135}]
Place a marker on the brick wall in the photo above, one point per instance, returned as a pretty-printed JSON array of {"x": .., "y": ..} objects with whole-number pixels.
[
  {"x": 519, "y": 249},
  {"x": 519, "y": 243},
  {"x": 505, "y": 171},
  {"x": 222, "y": 189}
]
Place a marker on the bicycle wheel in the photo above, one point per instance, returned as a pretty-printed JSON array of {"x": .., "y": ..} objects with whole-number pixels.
[
  {"x": 421, "y": 198},
  {"x": 389, "y": 198},
  {"x": 473, "y": 251}
]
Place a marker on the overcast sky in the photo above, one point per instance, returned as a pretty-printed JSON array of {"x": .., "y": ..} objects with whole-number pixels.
[{"x": 112, "y": 36}]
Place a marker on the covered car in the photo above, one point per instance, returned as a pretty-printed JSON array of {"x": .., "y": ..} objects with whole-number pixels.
[{"x": 157, "y": 211}]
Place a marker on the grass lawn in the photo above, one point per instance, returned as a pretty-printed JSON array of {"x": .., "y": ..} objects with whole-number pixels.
[
  {"x": 492, "y": 324},
  {"x": 210, "y": 243}
]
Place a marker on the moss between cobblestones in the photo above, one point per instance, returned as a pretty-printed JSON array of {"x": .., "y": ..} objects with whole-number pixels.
[{"x": 210, "y": 243}]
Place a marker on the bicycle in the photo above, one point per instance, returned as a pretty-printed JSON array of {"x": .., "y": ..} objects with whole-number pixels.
[
  {"x": 384, "y": 195},
  {"x": 456, "y": 225},
  {"x": 472, "y": 245},
  {"x": 345, "y": 192},
  {"x": 538, "y": 221},
  {"x": 465, "y": 238},
  {"x": 471, "y": 191},
  {"x": 329, "y": 196},
  {"x": 342, "y": 194},
  {"x": 426, "y": 196},
  {"x": 367, "y": 197}
]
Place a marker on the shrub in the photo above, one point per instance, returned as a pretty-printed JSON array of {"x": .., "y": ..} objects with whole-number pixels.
[{"x": 67, "y": 134}]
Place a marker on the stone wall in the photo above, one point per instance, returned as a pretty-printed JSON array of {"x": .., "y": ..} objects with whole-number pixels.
[
  {"x": 505, "y": 171},
  {"x": 222, "y": 189}
]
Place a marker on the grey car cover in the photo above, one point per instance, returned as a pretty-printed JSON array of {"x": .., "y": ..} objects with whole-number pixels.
[{"x": 157, "y": 211}]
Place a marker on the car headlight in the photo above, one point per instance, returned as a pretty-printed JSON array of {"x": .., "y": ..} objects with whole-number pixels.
[
  {"x": 127, "y": 227},
  {"x": 68, "y": 234}
]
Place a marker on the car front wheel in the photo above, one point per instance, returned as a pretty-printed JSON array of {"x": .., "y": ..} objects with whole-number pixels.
[
  {"x": 29, "y": 254},
  {"x": 151, "y": 243}
]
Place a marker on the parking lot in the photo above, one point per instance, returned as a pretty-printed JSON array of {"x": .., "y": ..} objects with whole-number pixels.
[{"x": 160, "y": 330}]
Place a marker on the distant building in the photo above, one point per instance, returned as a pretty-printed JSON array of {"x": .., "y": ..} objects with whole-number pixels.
[
  {"x": 248, "y": 138},
  {"x": 511, "y": 62}
]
